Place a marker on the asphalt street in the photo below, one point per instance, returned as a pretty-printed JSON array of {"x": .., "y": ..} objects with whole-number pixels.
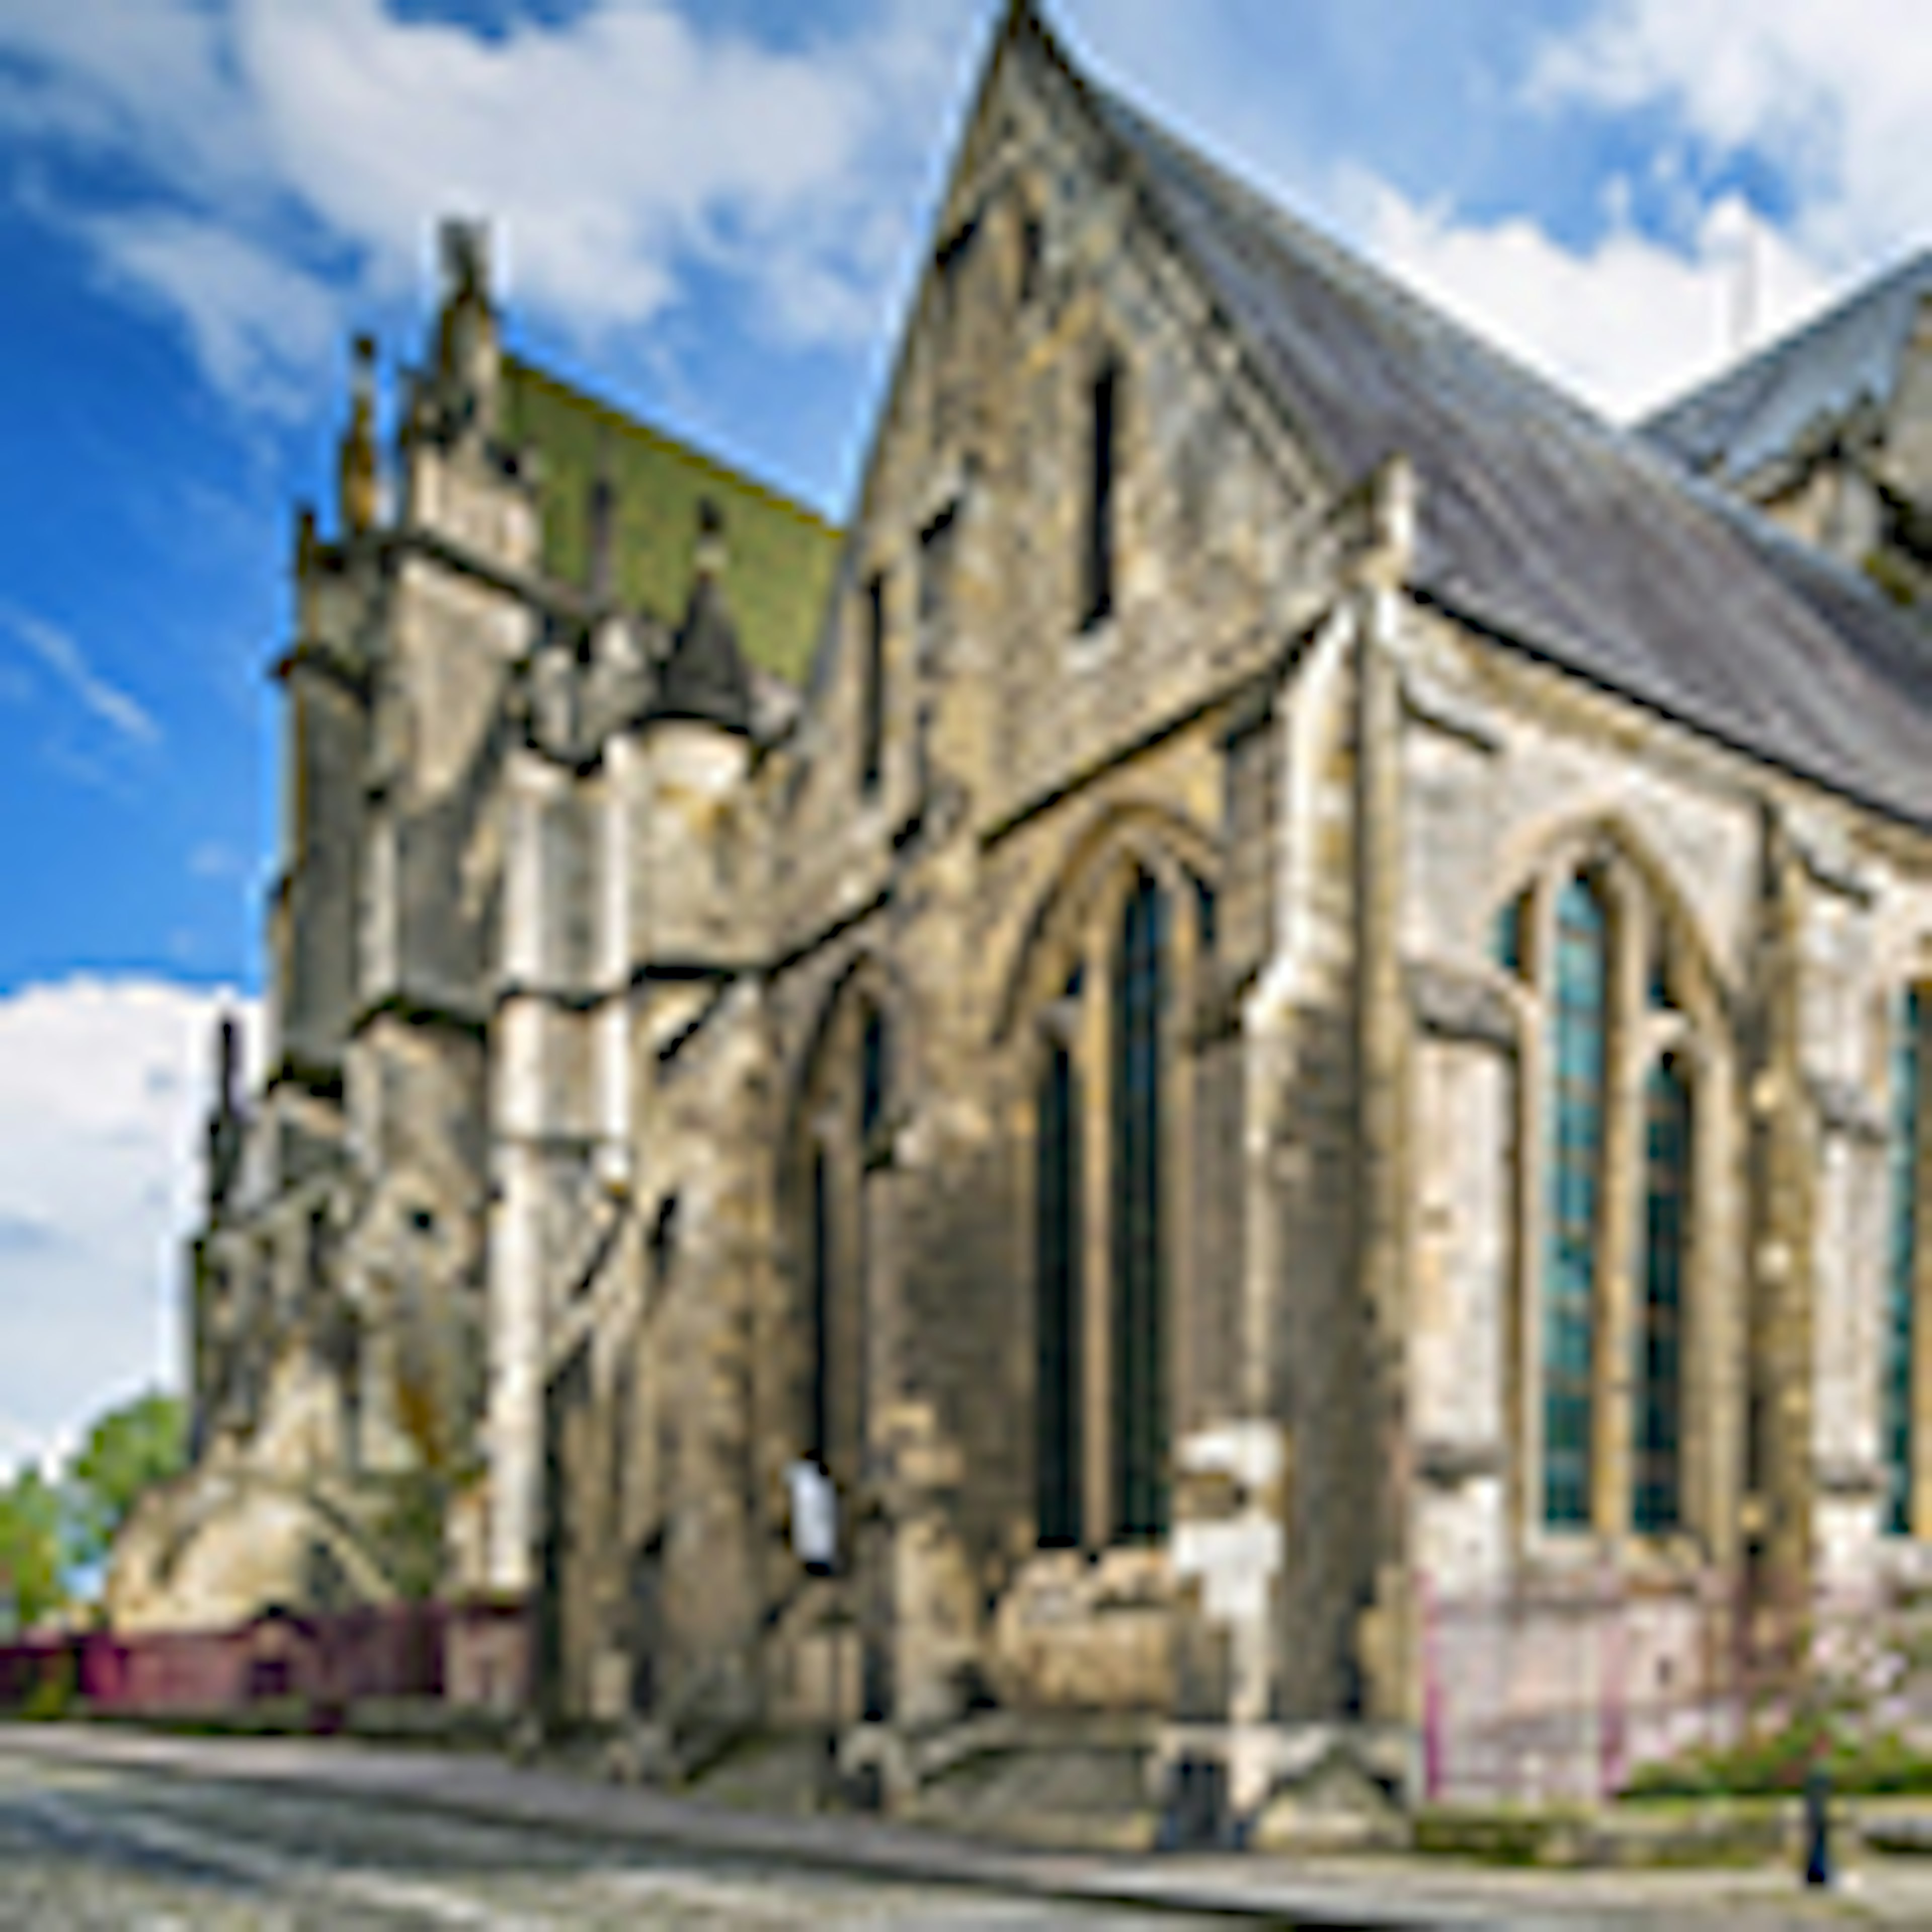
[{"x": 144, "y": 1851}]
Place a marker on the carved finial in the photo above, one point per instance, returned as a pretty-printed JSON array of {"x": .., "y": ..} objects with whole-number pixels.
[
  {"x": 467, "y": 350},
  {"x": 356, "y": 464},
  {"x": 465, "y": 248}
]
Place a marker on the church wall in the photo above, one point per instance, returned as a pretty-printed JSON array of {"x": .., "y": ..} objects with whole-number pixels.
[{"x": 1787, "y": 1290}]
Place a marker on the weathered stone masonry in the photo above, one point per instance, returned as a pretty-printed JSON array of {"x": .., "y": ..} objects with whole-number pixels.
[{"x": 1283, "y": 1064}]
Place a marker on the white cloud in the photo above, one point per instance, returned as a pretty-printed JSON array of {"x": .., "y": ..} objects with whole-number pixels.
[
  {"x": 1627, "y": 323},
  {"x": 56, "y": 649},
  {"x": 1833, "y": 91},
  {"x": 102, "y": 1087},
  {"x": 295, "y": 158}
]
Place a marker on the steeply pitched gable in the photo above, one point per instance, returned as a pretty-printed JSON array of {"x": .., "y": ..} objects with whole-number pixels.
[{"x": 1539, "y": 521}]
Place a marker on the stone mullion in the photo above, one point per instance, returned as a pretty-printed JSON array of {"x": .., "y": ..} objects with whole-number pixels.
[{"x": 1620, "y": 1209}]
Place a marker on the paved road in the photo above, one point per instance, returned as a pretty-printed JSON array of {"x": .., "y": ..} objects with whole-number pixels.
[
  {"x": 128, "y": 1850},
  {"x": 129, "y": 1833}
]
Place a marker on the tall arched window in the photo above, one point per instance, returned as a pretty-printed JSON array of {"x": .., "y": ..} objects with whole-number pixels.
[
  {"x": 1577, "y": 1040},
  {"x": 1057, "y": 1247},
  {"x": 1139, "y": 1393},
  {"x": 1657, "y": 1501},
  {"x": 1895, "y": 1429}
]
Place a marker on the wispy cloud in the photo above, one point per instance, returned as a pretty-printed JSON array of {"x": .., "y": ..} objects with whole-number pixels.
[
  {"x": 212, "y": 859},
  {"x": 57, "y": 651},
  {"x": 292, "y": 161}
]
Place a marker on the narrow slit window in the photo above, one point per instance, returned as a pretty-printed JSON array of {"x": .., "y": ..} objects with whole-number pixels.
[
  {"x": 1103, "y": 457},
  {"x": 872, "y": 695}
]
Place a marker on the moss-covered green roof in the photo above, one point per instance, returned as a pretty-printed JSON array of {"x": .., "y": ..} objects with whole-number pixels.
[{"x": 781, "y": 555}]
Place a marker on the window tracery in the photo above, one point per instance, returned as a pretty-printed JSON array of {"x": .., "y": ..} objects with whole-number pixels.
[{"x": 1617, "y": 1032}]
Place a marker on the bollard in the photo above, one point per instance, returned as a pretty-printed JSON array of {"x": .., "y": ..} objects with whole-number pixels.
[{"x": 1818, "y": 1826}]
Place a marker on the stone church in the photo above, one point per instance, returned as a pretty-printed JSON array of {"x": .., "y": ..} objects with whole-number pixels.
[{"x": 1275, "y": 1010}]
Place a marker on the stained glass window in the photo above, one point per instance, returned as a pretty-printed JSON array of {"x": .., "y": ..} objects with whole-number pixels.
[
  {"x": 1057, "y": 1415},
  {"x": 1895, "y": 1394},
  {"x": 1656, "y": 1501},
  {"x": 1576, "y": 1127},
  {"x": 1139, "y": 1394}
]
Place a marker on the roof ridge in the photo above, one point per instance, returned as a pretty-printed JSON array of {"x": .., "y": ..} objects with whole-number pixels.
[
  {"x": 1771, "y": 355},
  {"x": 630, "y": 423}
]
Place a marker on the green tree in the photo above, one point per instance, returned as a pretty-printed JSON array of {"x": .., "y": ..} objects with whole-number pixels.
[
  {"x": 30, "y": 1550},
  {"x": 128, "y": 1450}
]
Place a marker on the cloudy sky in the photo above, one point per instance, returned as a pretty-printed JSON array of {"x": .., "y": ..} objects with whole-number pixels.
[{"x": 709, "y": 209}]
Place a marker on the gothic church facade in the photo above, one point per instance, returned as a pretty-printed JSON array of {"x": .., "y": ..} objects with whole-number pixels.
[{"x": 1273, "y": 1010}]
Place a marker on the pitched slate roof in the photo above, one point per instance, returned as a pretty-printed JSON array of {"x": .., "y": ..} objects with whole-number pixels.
[
  {"x": 1809, "y": 382},
  {"x": 1541, "y": 523}
]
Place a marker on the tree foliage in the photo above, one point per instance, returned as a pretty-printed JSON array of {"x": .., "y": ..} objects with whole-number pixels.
[
  {"x": 31, "y": 1566},
  {"x": 127, "y": 1451}
]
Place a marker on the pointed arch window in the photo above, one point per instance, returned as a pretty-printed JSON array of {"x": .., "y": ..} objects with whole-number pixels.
[
  {"x": 1576, "y": 1049},
  {"x": 1624, "y": 1032},
  {"x": 1657, "y": 1505}
]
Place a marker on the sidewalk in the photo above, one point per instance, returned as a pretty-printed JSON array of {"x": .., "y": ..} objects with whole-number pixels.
[{"x": 1381, "y": 1890}]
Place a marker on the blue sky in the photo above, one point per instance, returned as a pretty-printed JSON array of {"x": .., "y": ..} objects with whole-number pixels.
[{"x": 710, "y": 211}]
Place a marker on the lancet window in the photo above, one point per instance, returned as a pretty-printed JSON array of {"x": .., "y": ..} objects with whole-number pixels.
[
  {"x": 1614, "y": 1048},
  {"x": 1109, "y": 1079}
]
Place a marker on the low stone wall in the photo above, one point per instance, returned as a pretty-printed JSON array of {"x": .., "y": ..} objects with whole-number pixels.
[{"x": 468, "y": 1656}]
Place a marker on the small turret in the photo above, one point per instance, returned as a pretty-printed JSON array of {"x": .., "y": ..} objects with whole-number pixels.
[
  {"x": 356, "y": 475},
  {"x": 704, "y": 679},
  {"x": 469, "y": 348}
]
